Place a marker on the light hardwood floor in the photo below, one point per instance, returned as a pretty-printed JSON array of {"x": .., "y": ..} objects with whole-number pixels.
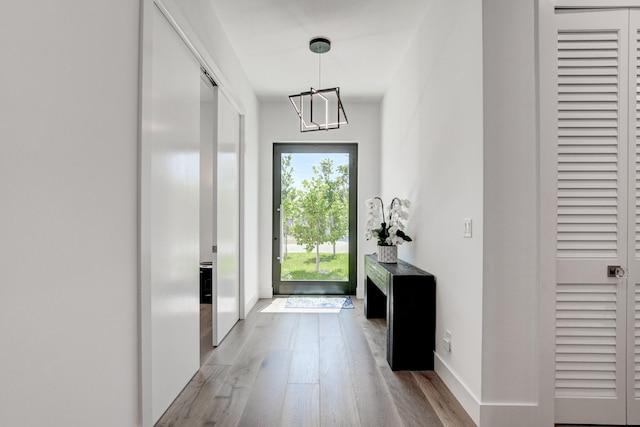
[
  {"x": 206, "y": 330},
  {"x": 310, "y": 370},
  {"x": 293, "y": 369}
]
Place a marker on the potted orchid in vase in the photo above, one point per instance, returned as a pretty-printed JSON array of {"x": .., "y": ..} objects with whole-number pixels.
[{"x": 390, "y": 231}]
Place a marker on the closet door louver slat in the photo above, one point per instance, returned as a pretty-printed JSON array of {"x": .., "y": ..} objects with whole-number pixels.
[
  {"x": 583, "y": 161},
  {"x": 586, "y": 340}
]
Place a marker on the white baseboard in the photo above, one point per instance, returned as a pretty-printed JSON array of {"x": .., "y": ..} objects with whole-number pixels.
[
  {"x": 359, "y": 292},
  {"x": 265, "y": 292},
  {"x": 509, "y": 414},
  {"x": 468, "y": 401},
  {"x": 494, "y": 414},
  {"x": 249, "y": 305}
]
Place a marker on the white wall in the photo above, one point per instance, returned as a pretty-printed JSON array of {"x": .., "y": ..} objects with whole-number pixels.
[
  {"x": 432, "y": 154},
  {"x": 202, "y": 25},
  {"x": 68, "y": 209},
  {"x": 279, "y": 123},
  {"x": 464, "y": 106},
  {"x": 510, "y": 298}
]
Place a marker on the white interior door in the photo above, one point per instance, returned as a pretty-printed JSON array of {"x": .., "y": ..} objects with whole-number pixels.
[
  {"x": 227, "y": 284},
  {"x": 633, "y": 264},
  {"x": 172, "y": 165},
  {"x": 208, "y": 165},
  {"x": 591, "y": 308},
  {"x": 208, "y": 114}
]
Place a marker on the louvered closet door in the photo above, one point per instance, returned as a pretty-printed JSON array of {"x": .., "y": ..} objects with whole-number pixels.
[
  {"x": 592, "y": 64},
  {"x": 633, "y": 271}
]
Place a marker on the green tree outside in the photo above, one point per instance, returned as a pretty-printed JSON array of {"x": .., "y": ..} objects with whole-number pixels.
[
  {"x": 319, "y": 212},
  {"x": 310, "y": 228},
  {"x": 336, "y": 192},
  {"x": 288, "y": 199}
]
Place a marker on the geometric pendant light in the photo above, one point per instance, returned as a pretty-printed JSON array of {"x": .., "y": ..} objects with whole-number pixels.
[{"x": 319, "y": 109}]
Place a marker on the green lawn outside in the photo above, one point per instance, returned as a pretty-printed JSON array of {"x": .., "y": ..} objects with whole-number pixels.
[{"x": 302, "y": 266}]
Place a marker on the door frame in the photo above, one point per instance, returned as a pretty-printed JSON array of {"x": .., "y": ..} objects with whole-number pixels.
[{"x": 325, "y": 287}]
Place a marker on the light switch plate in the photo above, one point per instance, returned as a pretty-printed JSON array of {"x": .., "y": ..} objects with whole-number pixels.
[
  {"x": 467, "y": 230},
  {"x": 446, "y": 341}
]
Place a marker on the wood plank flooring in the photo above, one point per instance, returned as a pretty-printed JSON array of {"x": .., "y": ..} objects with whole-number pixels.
[
  {"x": 309, "y": 369},
  {"x": 206, "y": 330}
]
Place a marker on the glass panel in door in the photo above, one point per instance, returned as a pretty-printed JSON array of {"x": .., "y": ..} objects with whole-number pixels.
[{"x": 314, "y": 217}]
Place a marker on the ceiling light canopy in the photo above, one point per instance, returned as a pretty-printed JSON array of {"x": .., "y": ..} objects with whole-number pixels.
[
  {"x": 319, "y": 109},
  {"x": 320, "y": 45}
]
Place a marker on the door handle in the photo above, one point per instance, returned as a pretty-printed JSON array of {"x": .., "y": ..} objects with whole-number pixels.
[
  {"x": 281, "y": 211},
  {"x": 615, "y": 271}
]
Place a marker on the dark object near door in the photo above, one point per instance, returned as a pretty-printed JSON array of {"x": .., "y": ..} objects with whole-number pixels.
[
  {"x": 406, "y": 296},
  {"x": 206, "y": 270}
]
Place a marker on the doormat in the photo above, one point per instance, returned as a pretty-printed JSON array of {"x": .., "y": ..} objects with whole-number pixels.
[
  {"x": 319, "y": 302},
  {"x": 284, "y": 305}
]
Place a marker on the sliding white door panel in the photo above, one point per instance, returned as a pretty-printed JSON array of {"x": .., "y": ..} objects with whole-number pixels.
[
  {"x": 227, "y": 284},
  {"x": 208, "y": 113},
  {"x": 174, "y": 215}
]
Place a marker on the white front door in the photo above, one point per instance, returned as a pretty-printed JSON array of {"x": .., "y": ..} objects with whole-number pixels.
[{"x": 597, "y": 181}]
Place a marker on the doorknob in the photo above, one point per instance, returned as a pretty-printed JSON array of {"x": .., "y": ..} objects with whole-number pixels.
[{"x": 615, "y": 271}]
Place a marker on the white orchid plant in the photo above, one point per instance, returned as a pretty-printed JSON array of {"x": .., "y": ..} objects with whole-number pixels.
[{"x": 390, "y": 231}]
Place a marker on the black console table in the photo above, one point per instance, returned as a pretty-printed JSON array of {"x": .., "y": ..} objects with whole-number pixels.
[{"x": 406, "y": 296}]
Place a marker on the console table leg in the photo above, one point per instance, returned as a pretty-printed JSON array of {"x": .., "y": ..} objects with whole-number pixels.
[{"x": 375, "y": 302}]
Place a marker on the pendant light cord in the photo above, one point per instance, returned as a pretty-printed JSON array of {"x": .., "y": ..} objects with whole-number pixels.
[{"x": 319, "y": 71}]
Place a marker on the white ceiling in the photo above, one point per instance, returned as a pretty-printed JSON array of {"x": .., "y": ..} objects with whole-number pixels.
[{"x": 369, "y": 39}]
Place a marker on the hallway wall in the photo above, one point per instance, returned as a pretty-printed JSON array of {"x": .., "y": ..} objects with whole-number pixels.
[
  {"x": 511, "y": 228},
  {"x": 432, "y": 154},
  {"x": 68, "y": 209},
  {"x": 464, "y": 108},
  {"x": 279, "y": 123}
]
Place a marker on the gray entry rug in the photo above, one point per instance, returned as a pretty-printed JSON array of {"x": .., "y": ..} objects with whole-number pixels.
[{"x": 319, "y": 302}]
